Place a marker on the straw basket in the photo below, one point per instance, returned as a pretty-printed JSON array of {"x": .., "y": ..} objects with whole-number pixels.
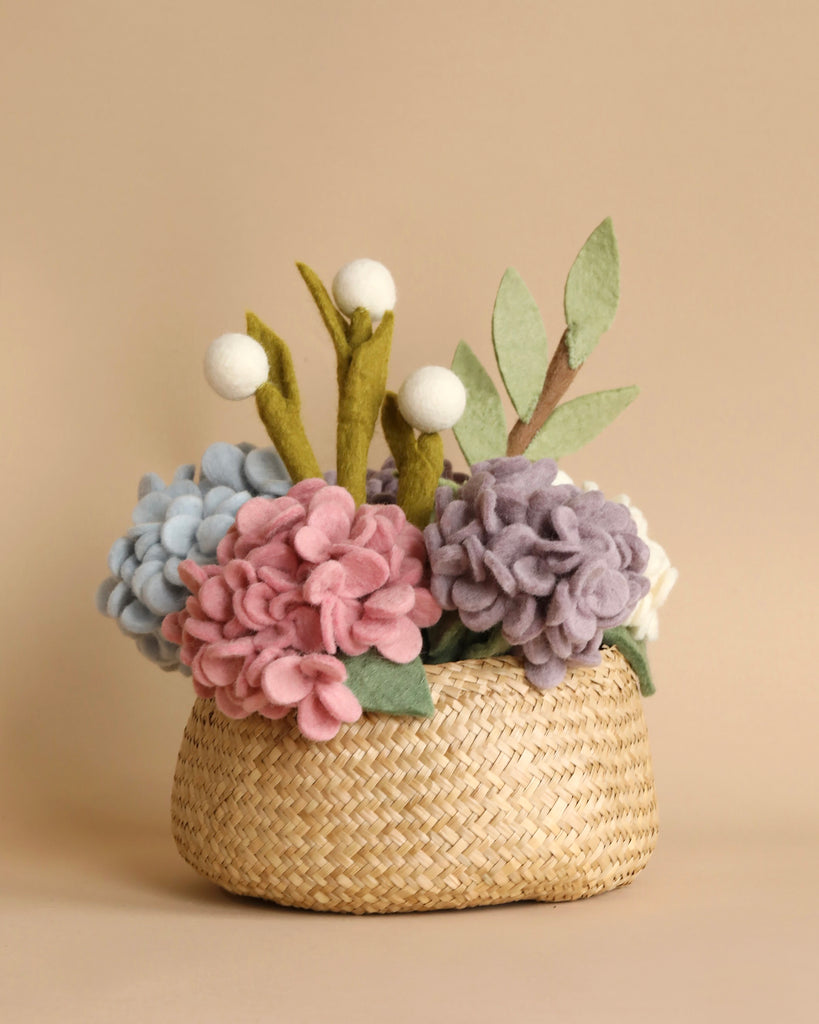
[{"x": 505, "y": 794}]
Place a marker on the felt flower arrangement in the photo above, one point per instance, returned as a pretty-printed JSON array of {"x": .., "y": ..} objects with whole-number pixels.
[{"x": 284, "y": 590}]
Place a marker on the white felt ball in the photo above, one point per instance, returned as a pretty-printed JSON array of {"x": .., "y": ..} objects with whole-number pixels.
[
  {"x": 431, "y": 399},
  {"x": 235, "y": 366},
  {"x": 367, "y": 284}
]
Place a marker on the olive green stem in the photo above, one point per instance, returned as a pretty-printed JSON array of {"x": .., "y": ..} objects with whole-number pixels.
[
  {"x": 362, "y": 358},
  {"x": 279, "y": 404},
  {"x": 420, "y": 462}
]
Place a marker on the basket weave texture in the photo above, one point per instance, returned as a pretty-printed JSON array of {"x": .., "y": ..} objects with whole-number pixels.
[{"x": 506, "y": 794}]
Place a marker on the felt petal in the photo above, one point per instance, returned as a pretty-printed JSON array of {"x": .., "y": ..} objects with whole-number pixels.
[
  {"x": 181, "y": 487},
  {"x": 121, "y": 549},
  {"x": 118, "y": 598},
  {"x": 449, "y": 560},
  {"x": 266, "y": 472},
  {"x": 533, "y": 576},
  {"x": 228, "y": 705},
  {"x": 141, "y": 576},
  {"x": 222, "y": 663},
  {"x": 273, "y": 712},
  {"x": 315, "y": 721},
  {"x": 201, "y": 629},
  {"x": 340, "y": 701},
  {"x": 303, "y": 491},
  {"x": 502, "y": 575},
  {"x": 156, "y": 553},
  {"x": 150, "y": 482},
  {"x": 136, "y": 618},
  {"x": 390, "y": 602},
  {"x": 179, "y": 533},
  {"x": 104, "y": 591},
  {"x": 128, "y": 568},
  {"x": 239, "y": 574},
  {"x": 185, "y": 505},
  {"x": 222, "y": 463},
  {"x": 192, "y": 575},
  {"x": 323, "y": 668},
  {"x": 547, "y": 675},
  {"x": 399, "y": 640},
  {"x": 364, "y": 572},
  {"x": 482, "y": 619},
  {"x": 343, "y": 616},
  {"x": 214, "y": 498},
  {"x": 283, "y": 682},
  {"x": 252, "y": 606},
  {"x": 312, "y": 544},
  {"x": 519, "y": 618},
  {"x": 330, "y": 520},
  {"x": 160, "y": 597},
  {"x": 171, "y": 571},
  {"x": 472, "y": 597},
  {"x": 211, "y": 530},
  {"x": 426, "y": 611},
  {"x": 151, "y": 508},
  {"x": 216, "y": 599}
]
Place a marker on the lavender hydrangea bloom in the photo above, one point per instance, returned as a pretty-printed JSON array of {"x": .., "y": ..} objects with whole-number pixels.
[
  {"x": 553, "y": 566},
  {"x": 184, "y": 519}
]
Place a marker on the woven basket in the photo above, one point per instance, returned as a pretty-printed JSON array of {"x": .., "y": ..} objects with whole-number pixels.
[{"x": 505, "y": 794}]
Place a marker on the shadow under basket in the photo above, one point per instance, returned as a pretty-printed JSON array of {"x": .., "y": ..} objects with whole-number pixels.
[{"x": 507, "y": 793}]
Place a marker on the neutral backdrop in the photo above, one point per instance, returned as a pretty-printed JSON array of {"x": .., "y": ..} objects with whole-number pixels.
[{"x": 163, "y": 164}]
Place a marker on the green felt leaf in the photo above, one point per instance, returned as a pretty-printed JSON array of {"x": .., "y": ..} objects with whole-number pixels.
[
  {"x": 592, "y": 293},
  {"x": 481, "y": 431},
  {"x": 634, "y": 651},
  {"x": 521, "y": 346},
  {"x": 577, "y": 422},
  {"x": 447, "y": 638},
  {"x": 492, "y": 644},
  {"x": 383, "y": 685}
]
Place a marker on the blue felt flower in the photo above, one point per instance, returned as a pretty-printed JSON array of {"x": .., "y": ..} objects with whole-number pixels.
[{"x": 185, "y": 519}]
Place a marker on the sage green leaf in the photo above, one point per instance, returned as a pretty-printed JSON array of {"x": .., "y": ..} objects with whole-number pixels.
[
  {"x": 592, "y": 293},
  {"x": 481, "y": 431},
  {"x": 634, "y": 651},
  {"x": 386, "y": 686},
  {"x": 577, "y": 422},
  {"x": 521, "y": 346},
  {"x": 447, "y": 638},
  {"x": 492, "y": 644}
]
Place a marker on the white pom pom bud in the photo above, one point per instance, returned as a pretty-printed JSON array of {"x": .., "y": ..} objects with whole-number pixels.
[
  {"x": 367, "y": 284},
  {"x": 235, "y": 366},
  {"x": 431, "y": 399}
]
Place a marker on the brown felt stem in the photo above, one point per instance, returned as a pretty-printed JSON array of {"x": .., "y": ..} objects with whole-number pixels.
[{"x": 559, "y": 377}]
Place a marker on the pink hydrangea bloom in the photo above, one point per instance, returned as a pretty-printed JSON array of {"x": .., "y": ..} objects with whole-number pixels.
[{"x": 307, "y": 574}]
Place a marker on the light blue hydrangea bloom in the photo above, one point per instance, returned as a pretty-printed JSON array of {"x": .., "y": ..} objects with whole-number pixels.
[{"x": 184, "y": 519}]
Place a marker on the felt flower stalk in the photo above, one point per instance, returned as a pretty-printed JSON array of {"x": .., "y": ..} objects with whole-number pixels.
[
  {"x": 430, "y": 400},
  {"x": 279, "y": 404},
  {"x": 365, "y": 292},
  {"x": 420, "y": 462},
  {"x": 259, "y": 363}
]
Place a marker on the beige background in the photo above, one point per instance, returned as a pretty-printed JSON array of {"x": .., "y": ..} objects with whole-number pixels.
[{"x": 163, "y": 164}]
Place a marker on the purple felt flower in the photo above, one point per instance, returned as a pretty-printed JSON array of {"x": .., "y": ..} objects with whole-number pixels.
[{"x": 552, "y": 565}]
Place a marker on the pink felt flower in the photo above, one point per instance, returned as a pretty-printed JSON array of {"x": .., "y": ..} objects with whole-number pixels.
[
  {"x": 302, "y": 575},
  {"x": 313, "y": 683}
]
